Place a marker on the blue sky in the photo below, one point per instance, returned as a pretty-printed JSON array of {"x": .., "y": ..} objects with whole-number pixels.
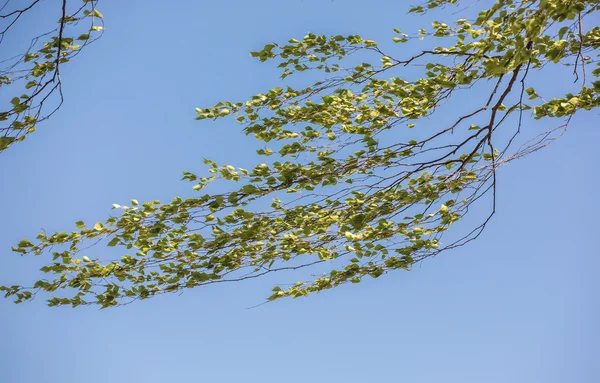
[{"x": 518, "y": 305}]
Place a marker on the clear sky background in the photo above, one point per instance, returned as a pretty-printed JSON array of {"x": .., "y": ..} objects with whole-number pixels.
[{"x": 519, "y": 305}]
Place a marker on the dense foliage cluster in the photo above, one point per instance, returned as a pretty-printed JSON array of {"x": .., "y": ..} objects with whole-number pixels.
[{"x": 350, "y": 178}]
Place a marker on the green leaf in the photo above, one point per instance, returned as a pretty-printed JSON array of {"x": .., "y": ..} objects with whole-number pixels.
[
  {"x": 113, "y": 242},
  {"x": 5, "y": 142}
]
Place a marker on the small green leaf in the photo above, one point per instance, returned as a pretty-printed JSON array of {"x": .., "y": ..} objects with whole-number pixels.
[{"x": 113, "y": 242}]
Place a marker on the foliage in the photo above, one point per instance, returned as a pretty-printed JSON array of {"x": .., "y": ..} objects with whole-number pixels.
[
  {"x": 33, "y": 77},
  {"x": 353, "y": 178}
]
